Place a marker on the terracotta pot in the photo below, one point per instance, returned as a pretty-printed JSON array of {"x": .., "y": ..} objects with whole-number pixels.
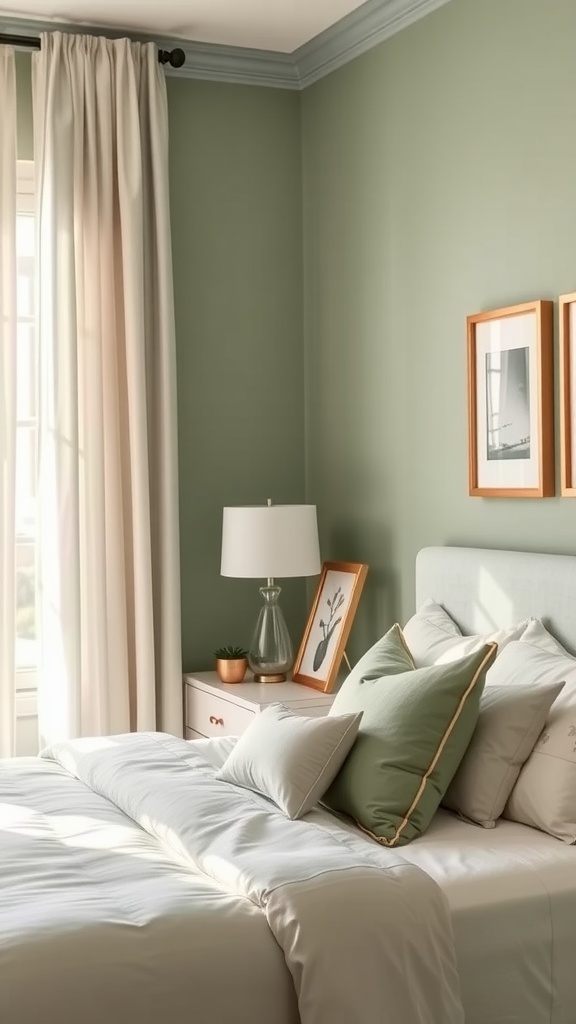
[{"x": 231, "y": 670}]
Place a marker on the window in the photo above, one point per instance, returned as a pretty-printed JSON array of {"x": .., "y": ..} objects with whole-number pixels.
[{"x": 26, "y": 443}]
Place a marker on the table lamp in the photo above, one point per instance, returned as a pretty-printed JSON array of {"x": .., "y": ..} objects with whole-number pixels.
[{"x": 265, "y": 542}]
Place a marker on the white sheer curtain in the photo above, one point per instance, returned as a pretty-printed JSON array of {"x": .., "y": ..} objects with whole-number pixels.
[
  {"x": 108, "y": 502},
  {"x": 7, "y": 398}
]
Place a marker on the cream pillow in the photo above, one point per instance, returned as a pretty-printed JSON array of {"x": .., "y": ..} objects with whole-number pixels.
[
  {"x": 510, "y": 721},
  {"x": 545, "y": 794},
  {"x": 289, "y": 758},
  {"x": 434, "y": 638},
  {"x": 537, "y": 634}
]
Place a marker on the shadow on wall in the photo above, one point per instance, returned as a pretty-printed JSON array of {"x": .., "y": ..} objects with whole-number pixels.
[{"x": 379, "y": 600}]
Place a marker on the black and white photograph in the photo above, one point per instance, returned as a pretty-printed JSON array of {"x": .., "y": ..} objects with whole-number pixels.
[
  {"x": 511, "y": 402},
  {"x": 508, "y": 404},
  {"x": 329, "y": 624}
]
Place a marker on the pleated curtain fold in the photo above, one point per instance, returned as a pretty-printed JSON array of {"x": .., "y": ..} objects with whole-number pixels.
[
  {"x": 109, "y": 584},
  {"x": 7, "y": 399}
]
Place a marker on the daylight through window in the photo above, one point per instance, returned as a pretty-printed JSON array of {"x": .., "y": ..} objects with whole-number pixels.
[{"x": 26, "y": 434}]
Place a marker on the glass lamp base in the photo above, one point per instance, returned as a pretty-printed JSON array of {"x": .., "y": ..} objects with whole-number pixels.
[{"x": 270, "y": 656}]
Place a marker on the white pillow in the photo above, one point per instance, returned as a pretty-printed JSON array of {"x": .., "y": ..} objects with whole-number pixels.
[
  {"x": 545, "y": 794},
  {"x": 537, "y": 634},
  {"x": 289, "y": 758},
  {"x": 510, "y": 721},
  {"x": 433, "y": 637}
]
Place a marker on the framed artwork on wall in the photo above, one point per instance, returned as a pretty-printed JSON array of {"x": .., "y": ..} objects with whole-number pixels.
[
  {"x": 329, "y": 624},
  {"x": 567, "y": 312},
  {"x": 510, "y": 402}
]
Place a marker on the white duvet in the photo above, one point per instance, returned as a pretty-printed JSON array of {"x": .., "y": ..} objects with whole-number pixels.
[{"x": 137, "y": 887}]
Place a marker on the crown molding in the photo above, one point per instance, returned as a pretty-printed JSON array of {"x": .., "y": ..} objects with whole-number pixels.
[
  {"x": 236, "y": 64},
  {"x": 370, "y": 24},
  {"x": 356, "y": 33}
]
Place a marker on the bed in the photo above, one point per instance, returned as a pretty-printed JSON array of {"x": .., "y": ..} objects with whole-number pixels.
[
  {"x": 136, "y": 889},
  {"x": 512, "y": 890}
]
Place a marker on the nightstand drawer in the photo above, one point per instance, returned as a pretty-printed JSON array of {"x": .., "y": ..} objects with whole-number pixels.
[{"x": 214, "y": 716}]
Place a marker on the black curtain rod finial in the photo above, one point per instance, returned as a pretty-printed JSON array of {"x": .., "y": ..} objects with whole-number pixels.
[{"x": 175, "y": 58}]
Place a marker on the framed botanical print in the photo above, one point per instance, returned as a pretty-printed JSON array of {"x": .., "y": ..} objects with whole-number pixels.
[
  {"x": 510, "y": 402},
  {"x": 329, "y": 624}
]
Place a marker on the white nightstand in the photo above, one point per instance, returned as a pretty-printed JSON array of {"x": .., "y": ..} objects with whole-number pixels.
[{"x": 226, "y": 709}]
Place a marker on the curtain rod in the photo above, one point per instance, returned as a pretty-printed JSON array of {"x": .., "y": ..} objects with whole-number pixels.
[{"x": 175, "y": 58}]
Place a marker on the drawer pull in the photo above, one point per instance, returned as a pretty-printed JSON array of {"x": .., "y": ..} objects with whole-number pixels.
[{"x": 216, "y": 721}]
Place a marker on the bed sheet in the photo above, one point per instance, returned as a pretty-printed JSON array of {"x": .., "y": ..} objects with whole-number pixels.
[{"x": 512, "y": 897}]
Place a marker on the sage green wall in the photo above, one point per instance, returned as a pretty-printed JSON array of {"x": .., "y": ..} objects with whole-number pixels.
[
  {"x": 237, "y": 242},
  {"x": 439, "y": 180}
]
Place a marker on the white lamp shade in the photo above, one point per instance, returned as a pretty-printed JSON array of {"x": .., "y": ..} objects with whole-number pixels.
[{"x": 267, "y": 541}]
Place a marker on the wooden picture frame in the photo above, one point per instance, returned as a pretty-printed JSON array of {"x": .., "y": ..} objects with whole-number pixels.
[
  {"x": 323, "y": 643},
  {"x": 567, "y": 315},
  {"x": 511, "y": 402}
]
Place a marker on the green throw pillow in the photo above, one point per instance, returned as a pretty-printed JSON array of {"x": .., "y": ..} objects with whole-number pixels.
[{"x": 416, "y": 726}]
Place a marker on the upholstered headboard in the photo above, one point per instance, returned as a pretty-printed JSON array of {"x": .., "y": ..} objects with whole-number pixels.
[{"x": 484, "y": 589}]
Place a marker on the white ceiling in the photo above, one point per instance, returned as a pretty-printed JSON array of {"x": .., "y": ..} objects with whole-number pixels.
[{"x": 281, "y": 25}]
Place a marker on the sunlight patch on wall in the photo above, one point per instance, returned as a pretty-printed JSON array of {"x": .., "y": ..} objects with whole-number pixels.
[{"x": 492, "y": 608}]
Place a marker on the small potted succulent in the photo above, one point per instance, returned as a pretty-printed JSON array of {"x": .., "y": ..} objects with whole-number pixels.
[{"x": 231, "y": 664}]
